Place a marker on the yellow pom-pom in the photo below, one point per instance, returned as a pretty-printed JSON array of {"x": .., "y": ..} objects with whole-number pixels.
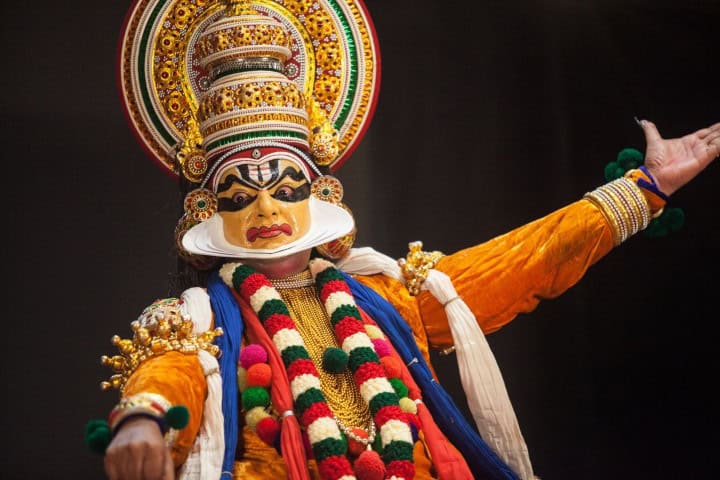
[
  {"x": 407, "y": 405},
  {"x": 374, "y": 332},
  {"x": 254, "y": 415}
]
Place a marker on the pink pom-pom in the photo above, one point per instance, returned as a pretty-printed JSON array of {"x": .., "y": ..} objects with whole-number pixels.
[
  {"x": 382, "y": 347},
  {"x": 268, "y": 429},
  {"x": 393, "y": 367},
  {"x": 259, "y": 375},
  {"x": 252, "y": 354},
  {"x": 369, "y": 466}
]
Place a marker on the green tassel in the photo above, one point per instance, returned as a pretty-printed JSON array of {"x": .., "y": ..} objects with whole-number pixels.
[
  {"x": 613, "y": 171},
  {"x": 177, "y": 417},
  {"x": 97, "y": 436},
  {"x": 629, "y": 158},
  {"x": 334, "y": 360},
  {"x": 671, "y": 220}
]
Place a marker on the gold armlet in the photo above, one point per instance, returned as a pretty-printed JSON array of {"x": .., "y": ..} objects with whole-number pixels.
[
  {"x": 623, "y": 205},
  {"x": 161, "y": 328},
  {"x": 416, "y": 266}
]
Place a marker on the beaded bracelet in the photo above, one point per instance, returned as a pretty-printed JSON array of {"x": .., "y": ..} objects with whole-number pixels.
[
  {"x": 623, "y": 205},
  {"x": 663, "y": 220},
  {"x": 170, "y": 419}
]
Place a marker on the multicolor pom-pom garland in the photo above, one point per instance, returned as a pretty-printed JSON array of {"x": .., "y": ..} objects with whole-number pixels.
[
  {"x": 370, "y": 376},
  {"x": 254, "y": 380},
  {"x": 329, "y": 445},
  {"x": 393, "y": 371}
]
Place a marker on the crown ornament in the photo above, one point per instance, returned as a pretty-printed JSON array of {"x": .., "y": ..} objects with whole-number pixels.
[{"x": 198, "y": 78}]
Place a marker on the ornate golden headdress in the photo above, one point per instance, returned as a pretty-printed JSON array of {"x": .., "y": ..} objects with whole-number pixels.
[
  {"x": 199, "y": 77},
  {"x": 203, "y": 80}
]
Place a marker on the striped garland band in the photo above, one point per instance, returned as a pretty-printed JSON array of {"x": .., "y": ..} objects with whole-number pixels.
[{"x": 329, "y": 445}]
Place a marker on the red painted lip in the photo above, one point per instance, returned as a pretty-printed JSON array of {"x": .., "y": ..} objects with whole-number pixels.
[{"x": 268, "y": 232}]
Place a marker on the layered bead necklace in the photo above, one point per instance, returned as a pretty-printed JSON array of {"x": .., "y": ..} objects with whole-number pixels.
[{"x": 329, "y": 445}]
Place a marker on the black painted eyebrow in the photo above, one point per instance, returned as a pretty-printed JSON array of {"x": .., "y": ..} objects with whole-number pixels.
[{"x": 289, "y": 171}]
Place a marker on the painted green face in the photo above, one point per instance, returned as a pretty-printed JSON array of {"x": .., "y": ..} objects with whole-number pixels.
[{"x": 265, "y": 205}]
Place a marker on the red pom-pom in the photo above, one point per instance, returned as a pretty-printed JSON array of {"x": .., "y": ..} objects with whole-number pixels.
[
  {"x": 401, "y": 469},
  {"x": 334, "y": 467},
  {"x": 348, "y": 326},
  {"x": 333, "y": 286},
  {"x": 356, "y": 448},
  {"x": 268, "y": 429},
  {"x": 367, "y": 371},
  {"x": 276, "y": 322},
  {"x": 259, "y": 375},
  {"x": 251, "y": 285},
  {"x": 382, "y": 347},
  {"x": 387, "y": 413},
  {"x": 301, "y": 366},
  {"x": 369, "y": 466},
  {"x": 393, "y": 367},
  {"x": 252, "y": 354}
]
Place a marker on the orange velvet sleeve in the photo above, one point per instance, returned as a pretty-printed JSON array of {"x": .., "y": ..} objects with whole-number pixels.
[
  {"x": 179, "y": 378},
  {"x": 511, "y": 273}
]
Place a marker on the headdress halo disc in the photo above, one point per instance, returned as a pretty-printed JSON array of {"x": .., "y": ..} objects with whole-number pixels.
[{"x": 335, "y": 59}]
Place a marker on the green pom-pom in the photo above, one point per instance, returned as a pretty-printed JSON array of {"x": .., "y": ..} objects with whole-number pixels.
[
  {"x": 334, "y": 360},
  {"x": 613, "y": 170},
  {"x": 655, "y": 229},
  {"x": 97, "y": 436},
  {"x": 629, "y": 158},
  {"x": 399, "y": 387},
  {"x": 255, "y": 397},
  {"x": 674, "y": 218},
  {"x": 177, "y": 417},
  {"x": 671, "y": 220}
]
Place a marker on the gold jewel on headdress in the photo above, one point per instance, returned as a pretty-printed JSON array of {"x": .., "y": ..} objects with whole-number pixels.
[
  {"x": 323, "y": 137},
  {"x": 329, "y": 189},
  {"x": 416, "y": 266},
  {"x": 200, "y": 204}
]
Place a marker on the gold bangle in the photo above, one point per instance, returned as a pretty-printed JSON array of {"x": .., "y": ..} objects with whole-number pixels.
[
  {"x": 602, "y": 201},
  {"x": 630, "y": 217},
  {"x": 149, "y": 404},
  {"x": 640, "y": 200},
  {"x": 623, "y": 205}
]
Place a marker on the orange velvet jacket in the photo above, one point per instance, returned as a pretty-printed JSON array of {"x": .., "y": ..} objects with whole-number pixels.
[{"x": 498, "y": 279}]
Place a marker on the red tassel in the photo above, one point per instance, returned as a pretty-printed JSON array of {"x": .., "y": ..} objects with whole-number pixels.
[{"x": 369, "y": 466}]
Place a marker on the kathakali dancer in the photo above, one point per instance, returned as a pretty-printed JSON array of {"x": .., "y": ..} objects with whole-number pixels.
[{"x": 295, "y": 354}]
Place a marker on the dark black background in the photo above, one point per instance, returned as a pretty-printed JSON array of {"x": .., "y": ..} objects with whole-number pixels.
[{"x": 491, "y": 114}]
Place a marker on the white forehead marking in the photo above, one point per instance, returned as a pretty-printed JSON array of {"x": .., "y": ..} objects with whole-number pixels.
[{"x": 258, "y": 167}]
